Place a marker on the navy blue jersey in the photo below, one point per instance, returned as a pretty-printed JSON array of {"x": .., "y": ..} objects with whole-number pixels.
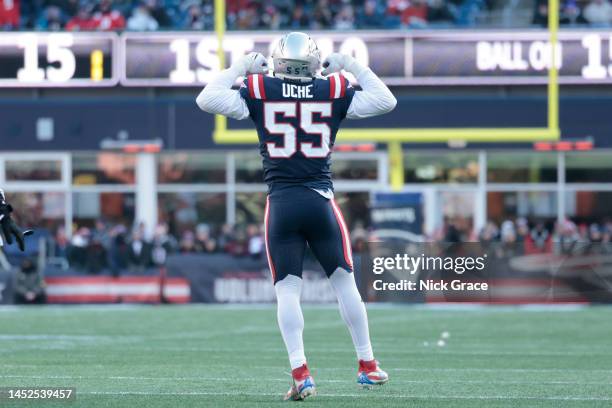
[{"x": 297, "y": 124}]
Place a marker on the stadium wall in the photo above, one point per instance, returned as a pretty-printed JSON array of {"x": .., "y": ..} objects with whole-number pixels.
[
  {"x": 179, "y": 124},
  {"x": 513, "y": 276}
]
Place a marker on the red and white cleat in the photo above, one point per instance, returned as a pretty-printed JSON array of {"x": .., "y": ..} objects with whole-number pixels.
[
  {"x": 370, "y": 374},
  {"x": 303, "y": 385}
]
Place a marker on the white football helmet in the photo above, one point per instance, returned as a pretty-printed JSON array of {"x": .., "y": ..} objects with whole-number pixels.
[{"x": 296, "y": 56}]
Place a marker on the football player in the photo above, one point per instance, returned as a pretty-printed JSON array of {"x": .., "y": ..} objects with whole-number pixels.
[
  {"x": 297, "y": 115},
  {"x": 8, "y": 228}
]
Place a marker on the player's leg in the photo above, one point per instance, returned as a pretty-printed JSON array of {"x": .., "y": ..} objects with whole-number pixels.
[
  {"x": 330, "y": 242},
  {"x": 285, "y": 251}
]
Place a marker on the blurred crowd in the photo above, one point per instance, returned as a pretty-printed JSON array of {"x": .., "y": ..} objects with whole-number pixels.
[
  {"x": 518, "y": 237},
  {"x": 118, "y": 248},
  {"x": 151, "y": 15},
  {"x": 595, "y": 13}
]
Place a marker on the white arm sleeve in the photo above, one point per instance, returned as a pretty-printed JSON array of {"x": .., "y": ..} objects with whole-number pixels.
[
  {"x": 374, "y": 99},
  {"x": 218, "y": 96}
]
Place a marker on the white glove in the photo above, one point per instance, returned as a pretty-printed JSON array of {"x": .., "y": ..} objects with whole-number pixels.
[
  {"x": 336, "y": 62},
  {"x": 252, "y": 63}
]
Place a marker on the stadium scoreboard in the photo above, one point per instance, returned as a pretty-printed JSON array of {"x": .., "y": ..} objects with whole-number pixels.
[
  {"x": 188, "y": 59},
  {"x": 57, "y": 59},
  {"x": 174, "y": 59}
]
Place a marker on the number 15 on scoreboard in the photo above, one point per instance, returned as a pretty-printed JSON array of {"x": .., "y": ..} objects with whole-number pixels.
[{"x": 57, "y": 60}]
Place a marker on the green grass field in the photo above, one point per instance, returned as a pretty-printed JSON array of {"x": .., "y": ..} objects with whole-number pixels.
[{"x": 201, "y": 356}]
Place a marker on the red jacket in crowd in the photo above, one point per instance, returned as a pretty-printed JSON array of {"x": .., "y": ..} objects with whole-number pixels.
[{"x": 9, "y": 13}]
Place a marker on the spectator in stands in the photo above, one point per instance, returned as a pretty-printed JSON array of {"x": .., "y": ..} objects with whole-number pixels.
[
  {"x": 139, "y": 250},
  {"x": 322, "y": 16},
  {"x": 248, "y": 18},
  {"x": 540, "y": 234},
  {"x": 271, "y": 17},
  {"x": 507, "y": 229},
  {"x": 453, "y": 233},
  {"x": 118, "y": 259},
  {"x": 415, "y": 14},
  {"x": 60, "y": 244},
  {"x": 187, "y": 244},
  {"x": 197, "y": 17},
  {"x": 370, "y": 16},
  {"x": 225, "y": 237},
  {"x": 567, "y": 236},
  {"x": 359, "y": 237},
  {"x": 393, "y": 12},
  {"x": 539, "y": 240},
  {"x": 522, "y": 229},
  {"x": 595, "y": 233},
  {"x": 9, "y": 14},
  {"x": 256, "y": 241},
  {"x": 101, "y": 233},
  {"x": 82, "y": 21},
  {"x": 439, "y": 12},
  {"x": 469, "y": 10},
  {"x": 68, "y": 7},
  {"x": 569, "y": 13},
  {"x": 29, "y": 284},
  {"x": 510, "y": 246},
  {"x": 97, "y": 256},
  {"x": 597, "y": 240},
  {"x": 159, "y": 13},
  {"x": 345, "y": 19},
  {"x": 106, "y": 18},
  {"x": 488, "y": 235},
  {"x": 232, "y": 8},
  {"x": 141, "y": 19},
  {"x": 540, "y": 16},
  {"x": 299, "y": 18},
  {"x": 239, "y": 246},
  {"x": 161, "y": 238},
  {"x": 77, "y": 254},
  {"x": 396, "y": 7},
  {"x": 204, "y": 242},
  {"x": 51, "y": 19},
  {"x": 598, "y": 13}
]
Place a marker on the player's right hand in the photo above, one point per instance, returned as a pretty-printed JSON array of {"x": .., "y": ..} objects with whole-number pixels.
[
  {"x": 8, "y": 228},
  {"x": 252, "y": 63}
]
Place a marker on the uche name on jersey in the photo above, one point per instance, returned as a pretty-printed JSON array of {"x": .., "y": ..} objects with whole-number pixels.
[{"x": 297, "y": 91}]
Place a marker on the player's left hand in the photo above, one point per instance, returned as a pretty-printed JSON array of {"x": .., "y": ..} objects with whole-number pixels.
[
  {"x": 8, "y": 228},
  {"x": 336, "y": 62},
  {"x": 333, "y": 63}
]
